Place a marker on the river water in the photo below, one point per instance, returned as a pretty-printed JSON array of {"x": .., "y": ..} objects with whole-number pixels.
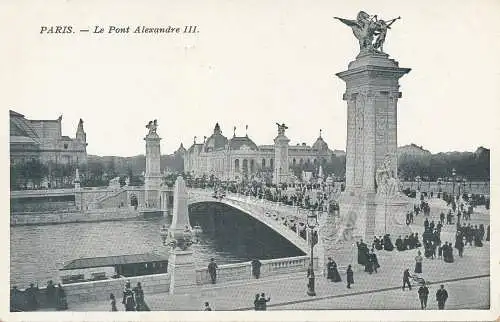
[{"x": 37, "y": 252}]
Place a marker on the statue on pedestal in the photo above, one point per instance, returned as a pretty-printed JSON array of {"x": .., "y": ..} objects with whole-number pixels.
[
  {"x": 281, "y": 128},
  {"x": 152, "y": 125},
  {"x": 369, "y": 30},
  {"x": 387, "y": 184}
]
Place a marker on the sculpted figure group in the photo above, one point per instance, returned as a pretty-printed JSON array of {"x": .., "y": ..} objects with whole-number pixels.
[
  {"x": 152, "y": 125},
  {"x": 281, "y": 128},
  {"x": 369, "y": 30},
  {"x": 387, "y": 184}
]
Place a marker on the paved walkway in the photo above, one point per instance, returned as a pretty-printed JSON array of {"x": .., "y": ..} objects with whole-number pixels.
[{"x": 467, "y": 281}]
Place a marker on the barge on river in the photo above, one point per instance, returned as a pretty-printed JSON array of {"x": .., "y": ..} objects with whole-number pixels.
[{"x": 111, "y": 267}]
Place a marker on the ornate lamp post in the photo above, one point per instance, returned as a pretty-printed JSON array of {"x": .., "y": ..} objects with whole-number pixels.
[
  {"x": 453, "y": 174},
  {"x": 418, "y": 180},
  {"x": 312, "y": 222}
]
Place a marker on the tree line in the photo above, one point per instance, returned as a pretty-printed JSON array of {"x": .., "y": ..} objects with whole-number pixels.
[{"x": 99, "y": 170}]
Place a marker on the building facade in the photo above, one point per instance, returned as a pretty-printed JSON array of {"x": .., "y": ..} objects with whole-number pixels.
[
  {"x": 239, "y": 157},
  {"x": 42, "y": 140}
]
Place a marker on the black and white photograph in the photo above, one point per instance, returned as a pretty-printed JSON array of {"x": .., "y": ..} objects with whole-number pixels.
[{"x": 322, "y": 160}]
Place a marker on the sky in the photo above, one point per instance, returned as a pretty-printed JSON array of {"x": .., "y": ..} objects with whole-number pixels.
[{"x": 252, "y": 63}]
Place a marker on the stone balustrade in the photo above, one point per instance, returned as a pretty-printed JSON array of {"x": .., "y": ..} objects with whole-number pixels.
[
  {"x": 100, "y": 290},
  {"x": 243, "y": 271}
]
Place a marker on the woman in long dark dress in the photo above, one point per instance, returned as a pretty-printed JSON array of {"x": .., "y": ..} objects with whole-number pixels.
[
  {"x": 139, "y": 298},
  {"x": 329, "y": 268},
  {"x": 418, "y": 263},
  {"x": 335, "y": 273},
  {"x": 448, "y": 253},
  {"x": 388, "y": 243},
  {"x": 488, "y": 233},
  {"x": 350, "y": 276}
]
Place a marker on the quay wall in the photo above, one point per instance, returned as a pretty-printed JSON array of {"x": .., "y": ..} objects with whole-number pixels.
[
  {"x": 41, "y": 218},
  {"x": 100, "y": 290}
]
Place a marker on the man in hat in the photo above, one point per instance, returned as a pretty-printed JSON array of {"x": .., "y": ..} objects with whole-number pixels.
[
  {"x": 441, "y": 297},
  {"x": 212, "y": 270},
  {"x": 128, "y": 298},
  {"x": 423, "y": 294}
]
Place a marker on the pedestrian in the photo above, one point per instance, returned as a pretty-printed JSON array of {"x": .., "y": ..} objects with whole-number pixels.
[
  {"x": 440, "y": 251},
  {"x": 488, "y": 233},
  {"x": 459, "y": 244},
  {"x": 373, "y": 261},
  {"x": 335, "y": 273},
  {"x": 31, "y": 295},
  {"x": 212, "y": 270},
  {"x": 51, "y": 293},
  {"x": 406, "y": 279},
  {"x": 418, "y": 263},
  {"x": 263, "y": 302},
  {"x": 256, "y": 302},
  {"x": 207, "y": 307},
  {"x": 128, "y": 298},
  {"x": 350, "y": 276},
  {"x": 329, "y": 269},
  {"x": 113, "y": 302},
  {"x": 256, "y": 264},
  {"x": 441, "y": 297},
  {"x": 62, "y": 303},
  {"x": 139, "y": 298},
  {"x": 423, "y": 294}
]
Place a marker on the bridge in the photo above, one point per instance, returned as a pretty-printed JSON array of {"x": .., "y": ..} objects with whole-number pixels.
[{"x": 94, "y": 203}]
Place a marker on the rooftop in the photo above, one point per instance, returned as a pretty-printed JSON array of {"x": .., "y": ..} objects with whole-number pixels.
[{"x": 113, "y": 260}]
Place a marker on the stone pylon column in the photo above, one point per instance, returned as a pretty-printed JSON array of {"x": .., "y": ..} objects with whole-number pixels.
[
  {"x": 152, "y": 176},
  {"x": 372, "y": 90},
  {"x": 181, "y": 264},
  {"x": 281, "y": 164}
]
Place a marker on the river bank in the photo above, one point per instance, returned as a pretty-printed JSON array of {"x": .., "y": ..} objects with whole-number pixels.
[{"x": 64, "y": 217}]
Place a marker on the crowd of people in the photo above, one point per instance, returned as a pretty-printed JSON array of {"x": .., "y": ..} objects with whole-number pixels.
[
  {"x": 133, "y": 299},
  {"x": 367, "y": 257},
  {"x": 33, "y": 298},
  {"x": 303, "y": 195}
]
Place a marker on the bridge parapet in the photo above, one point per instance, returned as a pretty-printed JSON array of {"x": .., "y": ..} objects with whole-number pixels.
[{"x": 243, "y": 271}]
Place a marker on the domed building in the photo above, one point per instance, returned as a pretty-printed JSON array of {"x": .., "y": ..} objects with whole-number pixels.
[{"x": 240, "y": 157}]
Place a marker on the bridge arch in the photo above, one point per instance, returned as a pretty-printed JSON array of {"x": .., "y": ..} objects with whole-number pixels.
[{"x": 276, "y": 226}]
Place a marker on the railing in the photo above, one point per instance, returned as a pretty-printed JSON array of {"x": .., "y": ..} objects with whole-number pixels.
[
  {"x": 43, "y": 192},
  {"x": 243, "y": 271}
]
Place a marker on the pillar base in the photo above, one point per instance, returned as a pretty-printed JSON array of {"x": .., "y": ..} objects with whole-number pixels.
[
  {"x": 182, "y": 271},
  {"x": 362, "y": 216}
]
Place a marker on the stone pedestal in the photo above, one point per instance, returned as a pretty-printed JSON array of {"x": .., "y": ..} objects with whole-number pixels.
[
  {"x": 182, "y": 271},
  {"x": 362, "y": 216},
  {"x": 372, "y": 92},
  {"x": 181, "y": 264},
  {"x": 281, "y": 165},
  {"x": 152, "y": 176}
]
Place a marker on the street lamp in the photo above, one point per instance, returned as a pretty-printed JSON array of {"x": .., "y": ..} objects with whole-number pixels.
[
  {"x": 312, "y": 222},
  {"x": 453, "y": 174}
]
